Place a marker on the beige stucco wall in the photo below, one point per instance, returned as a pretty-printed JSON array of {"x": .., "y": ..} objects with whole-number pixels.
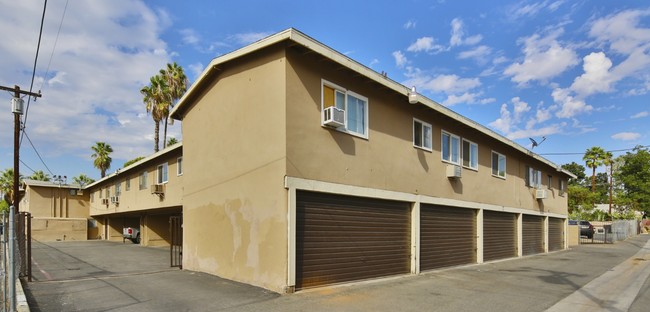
[
  {"x": 574, "y": 235},
  {"x": 54, "y": 202},
  {"x": 156, "y": 231},
  {"x": 387, "y": 160},
  {"x": 59, "y": 229},
  {"x": 235, "y": 205}
]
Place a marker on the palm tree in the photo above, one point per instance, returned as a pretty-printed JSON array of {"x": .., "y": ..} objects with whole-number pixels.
[
  {"x": 102, "y": 160},
  {"x": 154, "y": 98},
  {"x": 593, "y": 158},
  {"x": 171, "y": 141},
  {"x": 82, "y": 180},
  {"x": 39, "y": 175},
  {"x": 7, "y": 184},
  {"x": 177, "y": 83}
]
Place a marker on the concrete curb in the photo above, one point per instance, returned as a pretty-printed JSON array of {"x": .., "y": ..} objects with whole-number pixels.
[{"x": 21, "y": 299}]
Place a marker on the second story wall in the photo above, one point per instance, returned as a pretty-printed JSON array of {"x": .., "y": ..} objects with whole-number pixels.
[{"x": 53, "y": 201}]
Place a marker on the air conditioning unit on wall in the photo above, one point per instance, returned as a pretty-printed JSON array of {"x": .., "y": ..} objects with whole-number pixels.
[
  {"x": 334, "y": 117},
  {"x": 540, "y": 194},
  {"x": 158, "y": 189},
  {"x": 104, "y": 201},
  {"x": 453, "y": 171},
  {"x": 115, "y": 199}
]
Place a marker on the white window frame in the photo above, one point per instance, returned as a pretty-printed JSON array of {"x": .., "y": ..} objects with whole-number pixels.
[
  {"x": 142, "y": 180},
  {"x": 423, "y": 126},
  {"x": 505, "y": 165},
  {"x": 127, "y": 184},
  {"x": 346, "y": 93},
  {"x": 118, "y": 189},
  {"x": 164, "y": 168},
  {"x": 562, "y": 190},
  {"x": 462, "y": 151},
  {"x": 534, "y": 178},
  {"x": 549, "y": 179},
  {"x": 179, "y": 166},
  {"x": 451, "y": 152}
]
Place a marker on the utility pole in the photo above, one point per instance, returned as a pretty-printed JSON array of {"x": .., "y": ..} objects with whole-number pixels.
[{"x": 17, "y": 108}]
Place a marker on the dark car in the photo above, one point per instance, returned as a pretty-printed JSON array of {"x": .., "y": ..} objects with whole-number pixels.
[{"x": 586, "y": 229}]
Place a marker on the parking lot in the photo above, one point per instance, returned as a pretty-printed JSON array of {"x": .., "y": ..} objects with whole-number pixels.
[{"x": 101, "y": 276}]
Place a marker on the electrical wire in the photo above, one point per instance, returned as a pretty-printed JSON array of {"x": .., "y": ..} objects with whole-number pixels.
[
  {"x": 31, "y": 85},
  {"x": 28, "y": 167},
  {"x": 47, "y": 71},
  {"x": 37, "y": 154},
  {"x": 612, "y": 151}
]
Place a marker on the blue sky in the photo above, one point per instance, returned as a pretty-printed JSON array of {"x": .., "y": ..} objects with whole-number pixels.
[{"x": 576, "y": 72}]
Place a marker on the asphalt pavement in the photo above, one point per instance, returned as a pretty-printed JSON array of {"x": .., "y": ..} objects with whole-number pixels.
[{"x": 110, "y": 276}]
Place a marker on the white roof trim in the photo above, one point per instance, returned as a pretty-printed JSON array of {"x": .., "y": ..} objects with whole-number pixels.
[{"x": 312, "y": 44}]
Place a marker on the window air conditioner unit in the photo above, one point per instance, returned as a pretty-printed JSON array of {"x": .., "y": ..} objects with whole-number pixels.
[
  {"x": 157, "y": 189},
  {"x": 540, "y": 194},
  {"x": 334, "y": 117},
  {"x": 453, "y": 171},
  {"x": 104, "y": 201},
  {"x": 115, "y": 199}
]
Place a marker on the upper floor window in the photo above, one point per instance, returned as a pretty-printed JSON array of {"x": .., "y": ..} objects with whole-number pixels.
[
  {"x": 533, "y": 177},
  {"x": 450, "y": 148},
  {"x": 498, "y": 165},
  {"x": 161, "y": 174},
  {"x": 550, "y": 181},
  {"x": 143, "y": 180},
  {"x": 118, "y": 188},
  {"x": 127, "y": 184},
  {"x": 421, "y": 134},
  {"x": 179, "y": 166},
  {"x": 562, "y": 186},
  {"x": 108, "y": 192},
  {"x": 100, "y": 193},
  {"x": 470, "y": 154},
  {"x": 354, "y": 105}
]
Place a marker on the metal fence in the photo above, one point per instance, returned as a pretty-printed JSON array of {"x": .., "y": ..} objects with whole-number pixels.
[
  {"x": 21, "y": 260},
  {"x": 608, "y": 232}
]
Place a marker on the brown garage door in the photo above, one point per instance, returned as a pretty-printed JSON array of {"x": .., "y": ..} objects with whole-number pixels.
[
  {"x": 532, "y": 239},
  {"x": 448, "y": 236},
  {"x": 555, "y": 234},
  {"x": 499, "y": 235},
  {"x": 344, "y": 238}
]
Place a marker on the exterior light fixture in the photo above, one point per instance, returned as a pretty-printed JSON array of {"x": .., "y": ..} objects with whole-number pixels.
[{"x": 413, "y": 96}]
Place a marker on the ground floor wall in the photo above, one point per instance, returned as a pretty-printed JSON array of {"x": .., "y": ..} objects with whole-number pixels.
[
  {"x": 59, "y": 229},
  {"x": 154, "y": 226}
]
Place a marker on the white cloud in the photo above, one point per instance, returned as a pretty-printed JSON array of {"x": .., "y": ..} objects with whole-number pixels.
[
  {"x": 449, "y": 84},
  {"x": 400, "y": 59},
  {"x": 523, "y": 9},
  {"x": 426, "y": 44},
  {"x": 621, "y": 31},
  {"x": 195, "y": 70},
  {"x": 249, "y": 37},
  {"x": 373, "y": 62},
  {"x": 626, "y": 136},
  {"x": 529, "y": 133},
  {"x": 467, "y": 98},
  {"x": 479, "y": 53},
  {"x": 640, "y": 115},
  {"x": 509, "y": 121},
  {"x": 597, "y": 77},
  {"x": 569, "y": 105},
  {"x": 189, "y": 36},
  {"x": 458, "y": 33},
  {"x": 504, "y": 122},
  {"x": 520, "y": 107},
  {"x": 410, "y": 24},
  {"x": 544, "y": 58}
]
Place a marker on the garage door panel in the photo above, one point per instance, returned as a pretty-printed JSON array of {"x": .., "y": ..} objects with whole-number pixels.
[
  {"x": 555, "y": 234},
  {"x": 532, "y": 235},
  {"x": 447, "y": 236},
  {"x": 343, "y": 238},
  {"x": 499, "y": 235}
]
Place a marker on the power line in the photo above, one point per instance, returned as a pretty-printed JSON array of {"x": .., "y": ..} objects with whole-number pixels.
[
  {"x": 582, "y": 153},
  {"x": 28, "y": 167},
  {"x": 55, "y": 42},
  {"x": 31, "y": 86},
  {"x": 37, "y": 154}
]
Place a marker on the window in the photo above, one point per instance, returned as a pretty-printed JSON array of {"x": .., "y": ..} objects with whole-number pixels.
[
  {"x": 179, "y": 166},
  {"x": 550, "y": 181},
  {"x": 118, "y": 188},
  {"x": 470, "y": 155},
  {"x": 354, "y": 105},
  {"x": 161, "y": 174},
  {"x": 450, "y": 148},
  {"x": 498, "y": 165},
  {"x": 100, "y": 193},
  {"x": 108, "y": 192},
  {"x": 92, "y": 197},
  {"x": 533, "y": 177},
  {"x": 421, "y": 134},
  {"x": 143, "y": 180},
  {"x": 127, "y": 184},
  {"x": 562, "y": 187}
]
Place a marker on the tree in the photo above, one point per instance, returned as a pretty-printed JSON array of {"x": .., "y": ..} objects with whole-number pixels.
[
  {"x": 101, "y": 155},
  {"x": 39, "y": 175},
  {"x": 580, "y": 200},
  {"x": 7, "y": 185},
  {"x": 177, "y": 82},
  {"x": 171, "y": 141},
  {"x": 578, "y": 170},
  {"x": 133, "y": 161},
  {"x": 608, "y": 161},
  {"x": 82, "y": 180},
  {"x": 594, "y": 158},
  {"x": 634, "y": 175},
  {"x": 155, "y": 96}
]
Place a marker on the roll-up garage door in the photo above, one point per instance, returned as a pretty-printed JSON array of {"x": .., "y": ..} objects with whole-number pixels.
[
  {"x": 532, "y": 240},
  {"x": 343, "y": 238},
  {"x": 555, "y": 234},
  {"x": 499, "y": 235},
  {"x": 448, "y": 236}
]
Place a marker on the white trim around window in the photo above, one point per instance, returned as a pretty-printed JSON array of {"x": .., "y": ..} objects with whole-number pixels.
[
  {"x": 498, "y": 165},
  {"x": 450, "y": 147},
  {"x": 470, "y": 154},
  {"x": 422, "y": 132},
  {"x": 179, "y": 166},
  {"x": 162, "y": 173},
  {"x": 354, "y": 105}
]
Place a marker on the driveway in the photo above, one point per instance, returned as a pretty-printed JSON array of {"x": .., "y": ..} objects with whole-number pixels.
[{"x": 93, "y": 276}]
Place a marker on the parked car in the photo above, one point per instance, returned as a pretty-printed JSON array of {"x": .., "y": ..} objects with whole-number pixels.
[
  {"x": 132, "y": 234},
  {"x": 586, "y": 229}
]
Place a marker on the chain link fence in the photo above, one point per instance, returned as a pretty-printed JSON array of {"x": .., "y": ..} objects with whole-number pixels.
[
  {"x": 22, "y": 255},
  {"x": 608, "y": 232}
]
